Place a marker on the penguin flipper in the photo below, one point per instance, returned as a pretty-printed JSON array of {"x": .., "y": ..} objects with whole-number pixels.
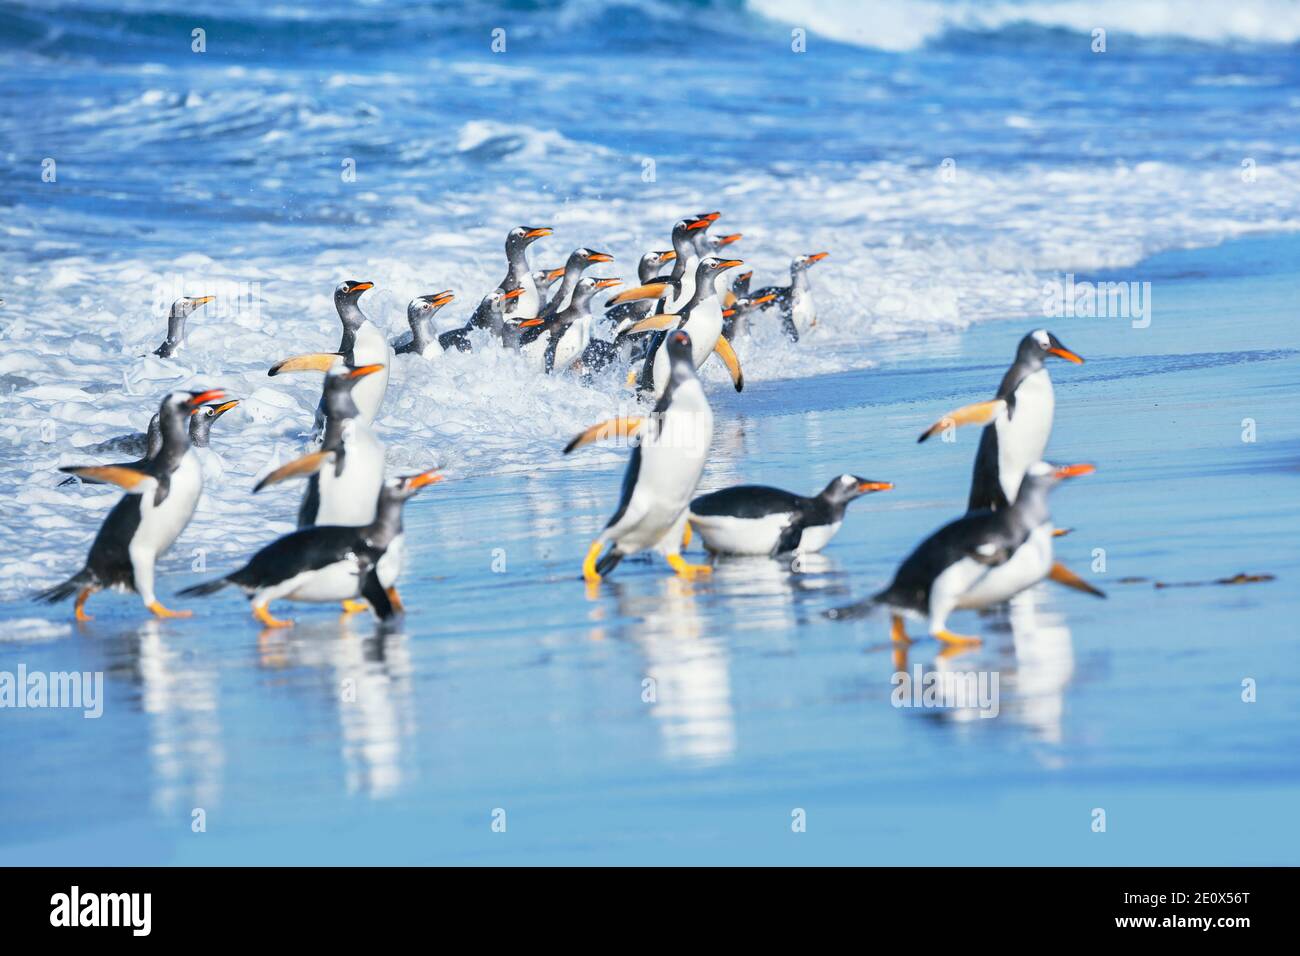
[
  {"x": 621, "y": 427},
  {"x": 127, "y": 478},
  {"x": 980, "y": 413},
  {"x": 308, "y": 464},
  {"x": 1063, "y": 575},
  {"x": 375, "y": 593},
  {"x": 732, "y": 361}
]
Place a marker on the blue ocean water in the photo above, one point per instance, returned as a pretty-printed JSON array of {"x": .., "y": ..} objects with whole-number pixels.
[{"x": 953, "y": 157}]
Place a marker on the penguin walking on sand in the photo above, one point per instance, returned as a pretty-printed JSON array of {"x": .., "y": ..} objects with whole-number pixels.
[
  {"x": 758, "y": 520},
  {"x": 362, "y": 344},
  {"x": 667, "y": 459},
  {"x": 981, "y": 559},
  {"x": 329, "y": 563},
  {"x": 161, "y": 497},
  {"x": 181, "y": 310},
  {"x": 1018, "y": 422},
  {"x": 419, "y": 316},
  {"x": 701, "y": 315},
  {"x": 344, "y": 476},
  {"x": 794, "y": 301}
]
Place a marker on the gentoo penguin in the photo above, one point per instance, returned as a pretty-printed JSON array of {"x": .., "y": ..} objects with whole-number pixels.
[
  {"x": 666, "y": 463},
  {"x": 200, "y": 437},
  {"x": 544, "y": 279},
  {"x": 419, "y": 315},
  {"x": 518, "y": 276},
  {"x": 328, "y": 563},
  {"x": 601, "y": 352},
  {"x": 181, "y": 310},
  {"x": 981, "y": 559},
  {"x": 579, "y": 261},
  {"x": 702, "y": 317},
  {"x": 565, "y": 334},
  {"x": 647, "y": 271},
  {"x": 488, "y": 315},
  {"x": 712, "y": 245},
  {"x": 160, "y": 499},
  {"x": 362, "y": 344},
  {"x": 795, "y": 302},
  {"x": 345, "y": 475},
  {"x": 1019, "y": 422},
  {"x": 735, "y": 319},
  {"x": 755, "y": 519}
]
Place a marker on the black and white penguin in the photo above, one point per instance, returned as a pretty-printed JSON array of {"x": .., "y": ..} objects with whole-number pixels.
[
  {"x": 202, "y": 420},
  {"x": 564, "y": 336},
  {"x": 981, "y": 559},
  {"x": 735, "y": 318},
  {"x": 345, "y": 475},
  {"x": 579, "y": 261},
  {"x": 671, "y": 446},
  {"x": 795, "y": 301},
  {"x": 701, "y": 315},
  {"x": 420, "y": 312},
  {"x": 647, "y": 271},
  {"x": 518, "y": 276},
  {"x": 755, "y": 519},
  {"x": 489, "y": 315},
  {"x": 362, "y": 344},
  {"x": 181, "y": 310},
  {"x": 1019, "y": 422},
  {"x": 544, "y": 279},
  {"x": 161, "y": 496},
  {"x": 328, "y": 563}
]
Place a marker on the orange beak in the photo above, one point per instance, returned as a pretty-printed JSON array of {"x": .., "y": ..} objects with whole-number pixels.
[
  {"x": 1067, "y": 355},
  {"x": 728, "y": 240},
  {"x": 700, "y": 224},
  {"x": 607, "y": 283},
  {"x": 763, "y": 298},
  {"x": 601, "y": 257},
  {"x": 728, "y": 313},
  {"x": 224, "y": 407},
  {"x": 875, "y": 486},
  {"x": 361, "y": 371},
  {"x": 211, "y": 395},
  {"x": 442, "y": 298},
  {"x": 712, "y": 216},
  {"x": 554, "y": 274},
  {"x": 1075, "y": 471},
  {"x": 818, "y": 256},
  {"x": 730, "y": 264},
  {"x": 430, "y": 477},
  {"x": 538, "y": 232},
  {"x": 668, "y": 256},
  {"x": 514, "y": 293},
  {"x": 363, "y": 286}
]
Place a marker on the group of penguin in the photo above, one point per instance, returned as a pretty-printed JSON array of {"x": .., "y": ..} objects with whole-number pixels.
[{"x": 349, "y": 546}]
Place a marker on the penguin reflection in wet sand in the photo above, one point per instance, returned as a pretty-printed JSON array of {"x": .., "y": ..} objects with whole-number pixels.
[
  {"x": 757, "y": 520},
  {"x": 1019, "y": 422},
  {"x": 981, "y": 559},
  {"x": 181, "y": 310},
  {"x": 161, "y": 498},
  {"x": 329, "y": 563},
  {"x": 664, "y": 469},
  {"x": 419, "y": 316},
  {"x": 362, "y": 344}
]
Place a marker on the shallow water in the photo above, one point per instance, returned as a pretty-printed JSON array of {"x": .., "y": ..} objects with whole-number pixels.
[{"x": 506, "y": 687}]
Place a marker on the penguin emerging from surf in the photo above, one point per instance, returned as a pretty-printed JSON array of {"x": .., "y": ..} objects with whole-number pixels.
[
  {"x": 345, "y": 475},
  {"x": 981, "y": 559},
  {"x": 564, "y": 336},
  {"x": 600, "y": 352},
  {"x": 735, "y": 318},
  {"x": 420, "y": 312},
  {"x": 329, "y": 563},
  {"x": 758, "y": 520},
  {"x": 544, "y": 279},
  {"x": 578, "y": 262},
  {"x": 528, "y": 303},
  {"x": 181, "y": 310},
  {"x": 1018, "y": 422},
  {"x": 489, "y": 315},
  {"x": 161, "y": 497},
  {"x": 668, "y": 455},
  {"x": 795, "y": 301}
]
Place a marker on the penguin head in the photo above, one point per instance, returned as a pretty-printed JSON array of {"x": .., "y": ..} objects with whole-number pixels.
[
  {"x": 1039, "y": 344},
  {"x": 684, "y": 231},
  {"x": 177, "y": 407},
  {"x": 651, "y": 261},
  {"x": 545, "y": 278},
  {"x": 405, "y": 486},
  {"x": 846, "y": 487},
  {"x": 679, "y": 349},
  {"x": 1044, "y": 475},
  {"x": 202, "y": 419},
  {"x": 711, "y": 266},
  {"x": 339, "y": 382},
  {"x": 497, "y": 298},
  {"x": 802, "y": 263},
  {"x": 188, "y": 304},
  {"x": 521, "y": 237},
  {"x": 588, "y": 286},
  {"x": 584, "y": 257},
  {"x": 427, "y": 306},
  {"x": 346, "y": 294}
]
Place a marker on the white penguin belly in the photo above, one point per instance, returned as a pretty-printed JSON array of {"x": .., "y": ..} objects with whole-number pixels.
[
  {"x": 1027, "y": 566},
  {"x": 389, "y": 566},
  {"x": 948, "y": 587},
  {"x": 1022, "y": 437},
  {"x": 704, "y": 327},
  {"x": 371, "y": 348},
  {"x": 339, "y": 581},
  {"x": 803, "y": 311},
  {"x": 352, "y": 497},
  {"x": 527, "y": 304},
  {"x": 818, "y": 536},
  {"x": 727, "y": 534},
  {"x": 160, "y": 525},
  {"x": 571, "y": 344}
]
